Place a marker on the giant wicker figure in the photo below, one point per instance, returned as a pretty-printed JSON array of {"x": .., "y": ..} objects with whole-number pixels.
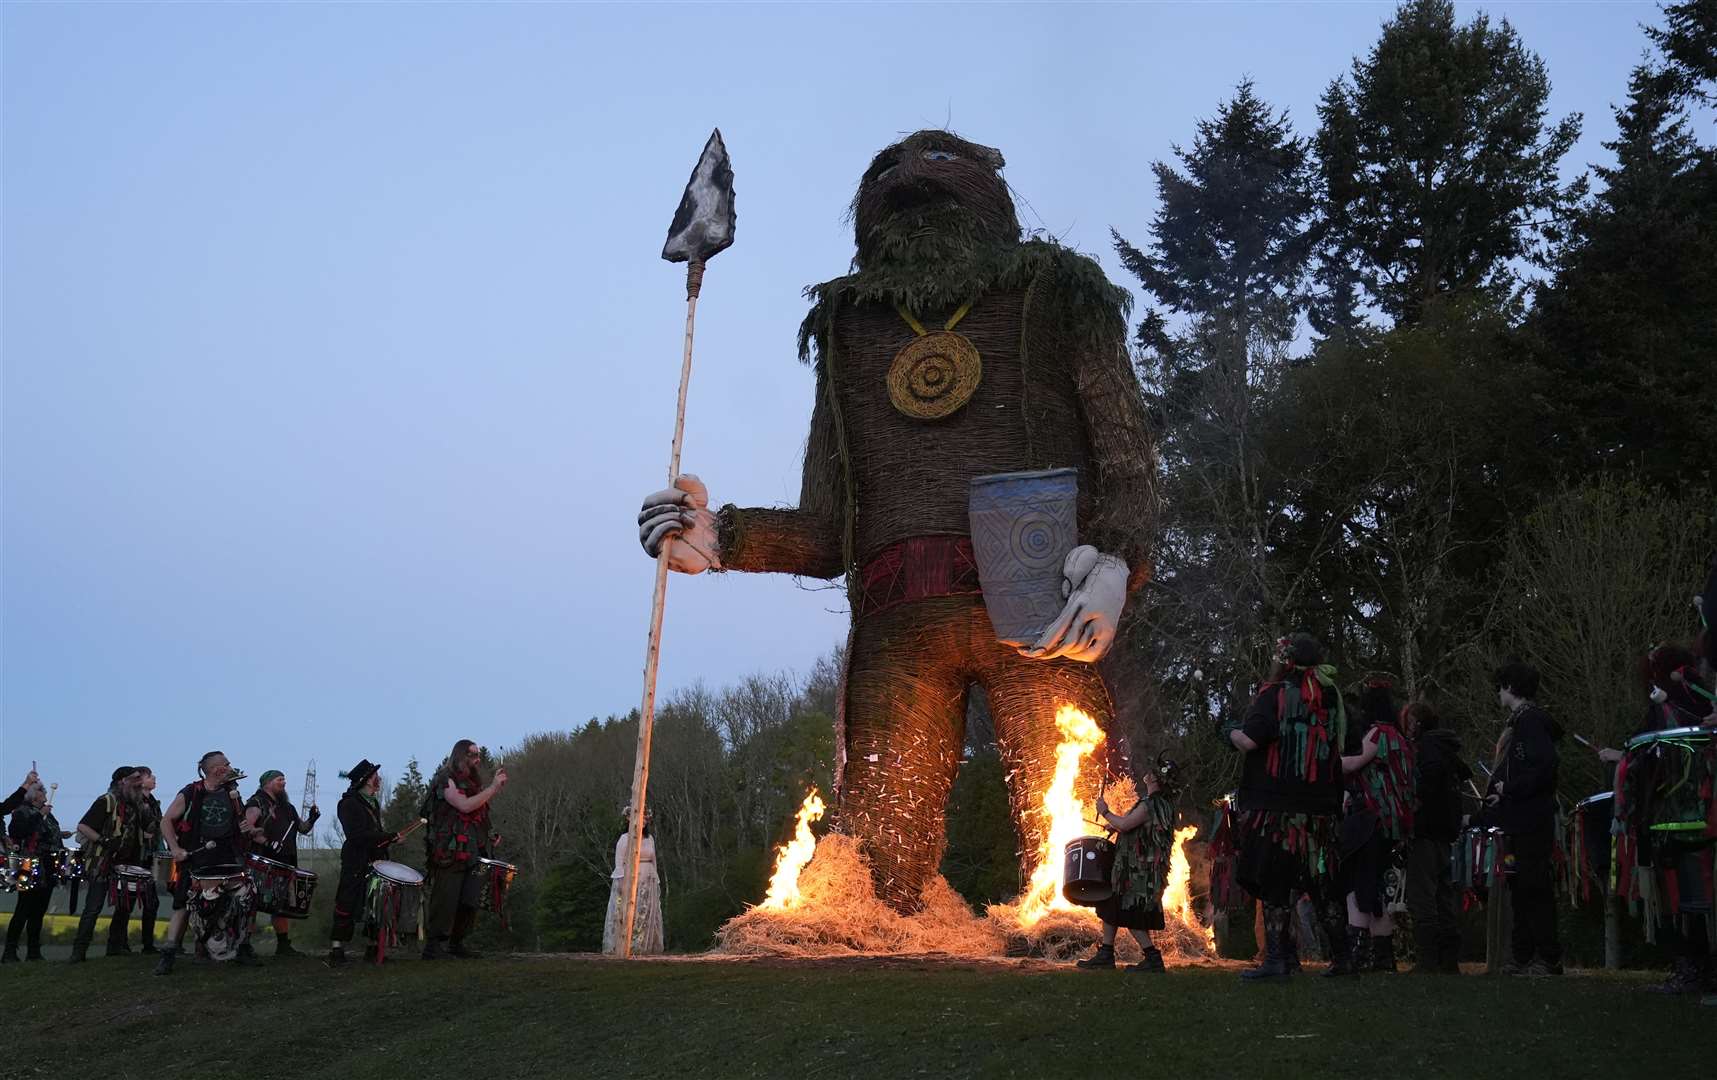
[{"x": 953, "y": 350}]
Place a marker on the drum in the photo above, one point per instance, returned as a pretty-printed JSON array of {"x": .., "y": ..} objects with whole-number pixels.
[
  {"x": 130, "y": 880},
  {"x": 68, "y": 864},
  {"x": 1589, "y": 844},
  {"x": 281, "y": 889},
  {"x": 497, "y": 879},
  {"x": 25, "y": 873},
  {"x": 1669, "y": 779},
  {"x": 1086, "y": 867},
  {"x": 391, "y": 899},
  {"x": 166, "y": 871},
  {"x": 1478, "y": 859},
  {"x": 220, "y": 902}
]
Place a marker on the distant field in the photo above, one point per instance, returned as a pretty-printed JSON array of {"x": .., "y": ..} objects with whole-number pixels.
[{"x": 577, "y": 1016}]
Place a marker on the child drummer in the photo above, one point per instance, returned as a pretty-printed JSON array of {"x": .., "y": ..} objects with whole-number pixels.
[{"x": 1144, "y": 841}]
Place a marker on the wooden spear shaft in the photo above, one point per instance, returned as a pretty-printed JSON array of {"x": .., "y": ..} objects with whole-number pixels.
[{"x": 653, "y": 649}]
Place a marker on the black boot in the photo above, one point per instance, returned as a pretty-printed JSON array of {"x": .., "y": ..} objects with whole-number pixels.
[
  {"x": 1103, "y": 958},
  {"x": 10, "y": 956},
  {"x": 336, "y": 957},
  {"x": 372, "y": 955},
  {"x": 1343, "y": 941},
  {"x": 432, "y": 949},
  {"x": 1152, "y": 962},
  {"x": 1275, "y": 965},
  {"x": 1383, "y": 953},
  {"x": 283, "y": 946},
  {"x": 80, "y": 952},
  {"x": 247, "y": 956},
  {"x": 164, "y": 966}
]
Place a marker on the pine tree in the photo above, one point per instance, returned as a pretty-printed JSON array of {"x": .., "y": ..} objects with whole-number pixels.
[
  {"x": 1689, "y": 45},
  {"x": 1225, "y": 268},
  {"x": 1438, "y": 164}
]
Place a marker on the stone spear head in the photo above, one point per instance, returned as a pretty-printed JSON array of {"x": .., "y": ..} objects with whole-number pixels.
[{"x": 703, "y": 225}]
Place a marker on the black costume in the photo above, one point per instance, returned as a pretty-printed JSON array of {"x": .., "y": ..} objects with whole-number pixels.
[
  {"x": 281, "y": 826},
  {"x": 1436, "y": 826},
  {"x": 36, "y": 833},
  {"x": 114, "y": 821},
  {"x": 1289, "y": 798},
  {"x": 366, "y": 841},
  {"x": 211, "y": 818},
  {"x": 1526, "y": 813}
]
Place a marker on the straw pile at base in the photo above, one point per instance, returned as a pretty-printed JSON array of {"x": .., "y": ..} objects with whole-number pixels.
[{"x": 840, "y": 915}]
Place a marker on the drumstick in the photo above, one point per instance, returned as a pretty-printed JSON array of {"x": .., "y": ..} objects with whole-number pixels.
[
  {"x": 1583, "y": 741},
  {"x": 53, "y": 787},
  {"x": 413, "y": 827}
]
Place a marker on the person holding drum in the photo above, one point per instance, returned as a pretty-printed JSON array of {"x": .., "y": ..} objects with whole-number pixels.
[
  {"x": 1671, "y": 677},
  {"x": 360, "y": 816},
  {"x": 272, "y": 817},
  {"x": 107, "y": 827},
  {"x": 1379, "y": 818},
  {"x": 1289, "y": 798},
  {"x": 35, "y": 834},
  {"x": 1521, "y": 800},
  {"x": 130, "y": 884},
  {"x": 205, "y": 831},
  {"x": 457, "y": 841},
  {"x": 1144, "y": 843}
]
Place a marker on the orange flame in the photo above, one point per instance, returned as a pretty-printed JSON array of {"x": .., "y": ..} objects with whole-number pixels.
[
  {"x": 1177, "y": 893},
  {"x": 1080, "y": 737},
  {"x": 791, "y": 859}
]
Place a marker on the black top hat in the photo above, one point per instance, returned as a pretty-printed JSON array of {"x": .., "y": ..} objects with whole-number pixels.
[{"x": 360, "y": 773}]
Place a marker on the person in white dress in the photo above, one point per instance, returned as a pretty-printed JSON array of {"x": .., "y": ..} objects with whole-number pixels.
[{"x": 647, "y": 924}]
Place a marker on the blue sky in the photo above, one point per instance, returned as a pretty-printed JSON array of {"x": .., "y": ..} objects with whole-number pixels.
[{"x": 338, "y": 352}]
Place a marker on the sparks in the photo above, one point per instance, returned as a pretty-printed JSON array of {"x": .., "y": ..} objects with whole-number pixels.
[{"x": 791, "y": 859}]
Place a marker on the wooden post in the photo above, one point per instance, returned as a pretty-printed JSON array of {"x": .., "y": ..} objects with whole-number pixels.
[{"x": 653, "y": 648}]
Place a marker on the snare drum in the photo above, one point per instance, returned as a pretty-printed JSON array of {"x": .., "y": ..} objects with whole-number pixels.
[
  {"x": 1589, "y": 846},
  {"x": 390, "y": 902},
  {"x": 220, "y": 902},
  {"x": 281, "y": 889},
  {"x": 1086, "y": 867},
  {"x": 130, "y": 880},
  {"x": 1670, "y": 779},
  {"x": 497, "y": 879},
  {"x": 68, "y": 864}
]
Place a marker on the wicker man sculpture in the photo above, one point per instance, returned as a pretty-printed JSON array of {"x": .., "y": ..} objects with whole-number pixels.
[{"x": 952, "y": 351}]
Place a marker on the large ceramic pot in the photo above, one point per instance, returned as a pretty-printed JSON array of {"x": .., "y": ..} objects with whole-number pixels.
[{"x": 1023, "y": 525}]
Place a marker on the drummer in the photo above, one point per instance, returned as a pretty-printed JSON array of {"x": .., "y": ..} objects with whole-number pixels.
[
  {"x": 1672, "y": 681},
  {"x": 458, "y": 837},
  {"x": 360, "y": 816},
  {"x": 275, "y": 822},
  {"x": 1144, "y": 842},
  {"x": 35, "y": 833},
  {"x": 106, "y": 827},
  {"x": 203, "y": 827}
]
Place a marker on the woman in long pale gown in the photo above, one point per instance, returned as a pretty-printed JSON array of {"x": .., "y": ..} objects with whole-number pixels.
[{"x": 647, "y": 924}]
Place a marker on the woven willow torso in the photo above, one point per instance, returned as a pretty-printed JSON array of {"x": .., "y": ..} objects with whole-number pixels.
[{"x": 911, "y": 475}]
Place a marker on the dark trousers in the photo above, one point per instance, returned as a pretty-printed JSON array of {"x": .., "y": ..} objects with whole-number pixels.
[
  {"x": 94, "y": 899},
  {"x": 147, "y": 905},
  {"x": 27, "y": 921},
  {"x": 1533, "y": 892},
  {"x": 1431, "y": 902},
  {"x": 348, "y": 898},
  {"x": 151, "y": 904},
  {"x": 452, "y": 890}
]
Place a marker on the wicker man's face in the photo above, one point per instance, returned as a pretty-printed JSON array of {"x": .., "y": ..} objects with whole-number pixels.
[{"x": 934, "y": 180}]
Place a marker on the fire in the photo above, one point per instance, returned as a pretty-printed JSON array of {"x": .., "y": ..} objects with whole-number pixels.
[
  {"x": 794, "y": 854},
  {"x": 1177, "y": 894},
  {"x": 1067, "y": 816}
]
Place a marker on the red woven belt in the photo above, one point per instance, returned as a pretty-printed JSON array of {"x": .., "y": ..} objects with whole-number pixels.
[{"x": 918, "y": 569}]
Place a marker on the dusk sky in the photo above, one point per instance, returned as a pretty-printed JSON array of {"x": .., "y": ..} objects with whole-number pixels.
[{"x": 338, "y": 351}]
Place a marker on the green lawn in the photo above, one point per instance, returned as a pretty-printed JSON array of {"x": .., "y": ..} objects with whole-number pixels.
[{"x": 584, "y": 1016}]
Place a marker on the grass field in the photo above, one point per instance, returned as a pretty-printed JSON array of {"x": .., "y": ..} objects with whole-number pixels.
[{"x": 577, "y": 1016}]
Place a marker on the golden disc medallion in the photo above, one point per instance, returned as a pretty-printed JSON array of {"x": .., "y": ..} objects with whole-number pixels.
[{"x": 934, "y": 374}]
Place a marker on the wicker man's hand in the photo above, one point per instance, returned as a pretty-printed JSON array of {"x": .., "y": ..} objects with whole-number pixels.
[
  {"x": 1096, "y": 589},
  {"x": 681, "y": 513}
]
